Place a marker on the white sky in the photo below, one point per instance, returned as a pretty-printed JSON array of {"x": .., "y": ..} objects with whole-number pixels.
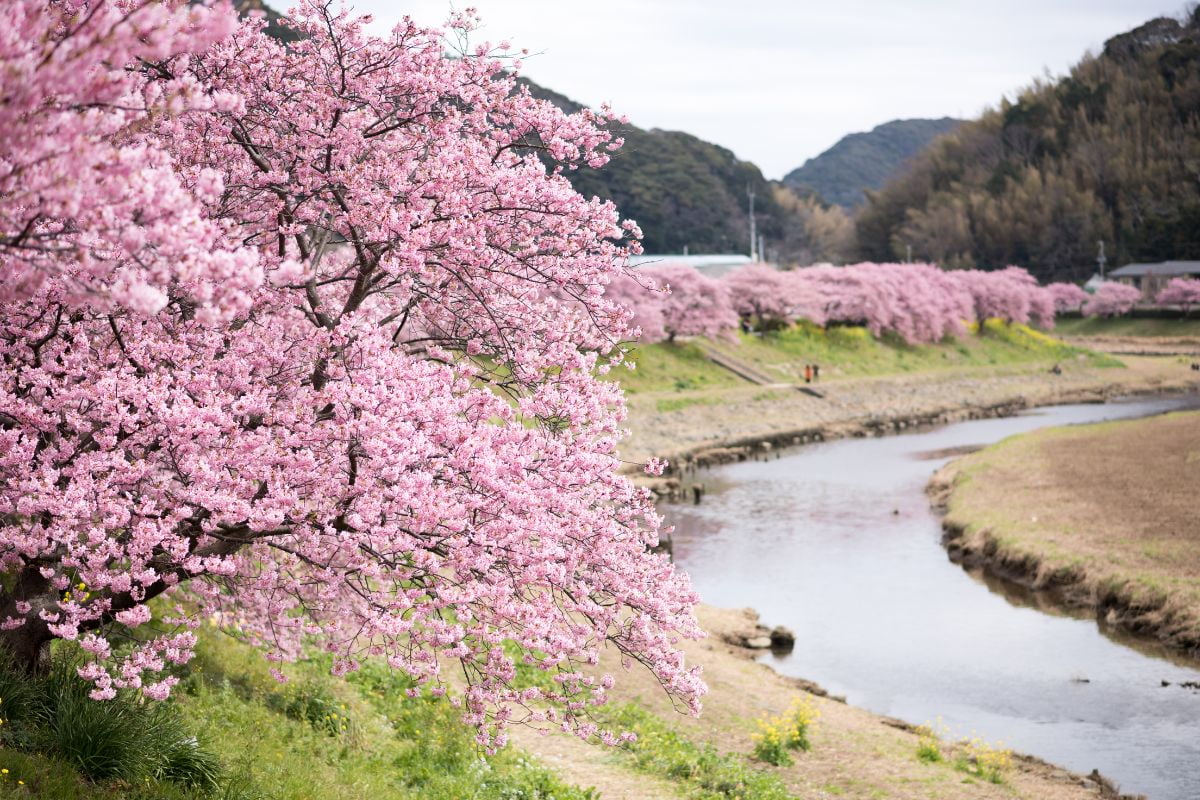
[{"x": 776, "y": 81}]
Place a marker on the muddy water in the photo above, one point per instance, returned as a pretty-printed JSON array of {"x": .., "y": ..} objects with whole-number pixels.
[{"x": 837, "y": 542}]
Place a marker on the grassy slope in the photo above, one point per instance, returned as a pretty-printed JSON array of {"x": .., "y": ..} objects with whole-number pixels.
[
  {"x": 1129, "y": 326},
  {"x": 315, "y": 737},
  {"x": 681, "y": 368}
]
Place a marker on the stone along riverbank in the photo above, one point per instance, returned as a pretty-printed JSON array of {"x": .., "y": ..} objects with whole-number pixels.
[{"x": 731, "y": 424}]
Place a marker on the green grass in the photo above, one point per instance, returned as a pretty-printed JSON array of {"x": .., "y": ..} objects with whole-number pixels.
[
  {"x": 668, "y": 367},
  {"x": 316, "y": 737},
  {"x": 704, "y": 772},
  {"x": 840, "y": 352},
  {"x": 1129, "y": 326}
]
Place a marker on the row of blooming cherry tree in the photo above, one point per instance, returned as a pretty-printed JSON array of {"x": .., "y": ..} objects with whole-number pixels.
[
  {"x": 919, "y": 303},
  {"x": 304, "y": 339}
]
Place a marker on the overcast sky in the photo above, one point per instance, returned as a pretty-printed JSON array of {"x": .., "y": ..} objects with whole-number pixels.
[{"x": 779, "y": 81}]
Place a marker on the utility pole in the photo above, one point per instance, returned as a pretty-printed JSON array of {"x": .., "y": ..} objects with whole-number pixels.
[
  {"x": 762, "y": 247},
  {"x": 1101, "y": 259},
  {"x": 908, "y": 248},
  {"x": 753, "y": 237}
]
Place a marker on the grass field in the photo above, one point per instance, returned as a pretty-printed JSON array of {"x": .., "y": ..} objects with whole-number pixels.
[{"x": 1129, "y": 326}]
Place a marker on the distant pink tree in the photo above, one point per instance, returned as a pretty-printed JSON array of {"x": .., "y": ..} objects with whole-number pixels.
[
  {"x": 807, "y": 297},
  {"x": 643, "y": 299},
  {"x": 1010, "y": 294},
  {"x": 1067, "y": 296},
  {"x": 761, "y": 294},
  {"x": 697, "y": 305},
  {"x": 917, "y": 302},
  {"x": 1184, "y": 292},
  {"x": 1112, "y": 299}
]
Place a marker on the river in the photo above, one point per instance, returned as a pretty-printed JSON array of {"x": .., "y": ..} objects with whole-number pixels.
[{"x": 837, "y": 542}]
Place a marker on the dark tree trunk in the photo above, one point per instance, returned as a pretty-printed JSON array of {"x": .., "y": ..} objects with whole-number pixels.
[{"x": 29, "y": 645}]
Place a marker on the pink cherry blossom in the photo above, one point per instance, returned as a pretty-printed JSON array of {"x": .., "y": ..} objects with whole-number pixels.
[
  {"x": 1067, "y": 296},
  {"x": 695, "y": 305},
  {"x": 1112, "y": 299},
  {"x": 1184, "y": 292}
]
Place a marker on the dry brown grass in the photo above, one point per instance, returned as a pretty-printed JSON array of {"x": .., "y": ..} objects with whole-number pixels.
[{"x": 1106, "y": 513}]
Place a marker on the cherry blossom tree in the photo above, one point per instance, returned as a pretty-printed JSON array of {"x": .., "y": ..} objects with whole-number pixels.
[
  {"x": 1111, "y": 300},
  {"x": 1067, "y": 296},
  {"x": 696, "y": 304},
  {"x": 806, "y": 297},
  {"x": 1010, "y": 294},
  {"x": 396, "y": 445},
  {"x": 1183, "y": 292},
  {"x": 760, "y": 295}
]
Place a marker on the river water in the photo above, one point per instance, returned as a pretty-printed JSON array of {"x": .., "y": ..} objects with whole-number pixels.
[{"x": 837, "y": 542}]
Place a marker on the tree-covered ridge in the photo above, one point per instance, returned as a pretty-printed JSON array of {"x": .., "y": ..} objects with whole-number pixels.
[
  {"x": 682, "y": 190},
  {"x": 861, "y": 161},
  {"x": 1109, "y": 152}
]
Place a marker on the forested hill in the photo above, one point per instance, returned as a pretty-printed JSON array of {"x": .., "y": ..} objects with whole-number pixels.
[
  {"x": 1110, "y": 152},
  {"x": 682, "y": 190},
  {"x": 862, "y": 161}
]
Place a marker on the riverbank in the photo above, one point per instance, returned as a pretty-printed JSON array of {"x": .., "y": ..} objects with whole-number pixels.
[
  {"x": 855, "y": 754},
  {"x": 873, "y": 756},
  {"x": 742, "y": 422},
  {"x": 1101, "y": 517}
]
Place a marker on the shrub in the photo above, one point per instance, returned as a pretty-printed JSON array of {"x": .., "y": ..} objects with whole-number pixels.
[
  {"x": 984, "y": 761},
  {"x": 929, "y": 745}
]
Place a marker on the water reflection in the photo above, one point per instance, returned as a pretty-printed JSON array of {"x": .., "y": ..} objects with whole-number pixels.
[{"x": 837, "y": 541}]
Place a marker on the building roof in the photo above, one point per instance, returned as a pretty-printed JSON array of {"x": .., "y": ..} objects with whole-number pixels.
[
  {"x": 714, "y": 265},
  {"x": 1161, "y": 268}
]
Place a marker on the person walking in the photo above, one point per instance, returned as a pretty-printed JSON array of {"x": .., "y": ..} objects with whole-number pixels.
[
  {"x": 808, "y": 373},
  {"x": 816, "y": 372}
]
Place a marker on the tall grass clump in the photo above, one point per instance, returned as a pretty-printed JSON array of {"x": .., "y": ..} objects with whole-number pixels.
[{"x": 125, "y": 739}]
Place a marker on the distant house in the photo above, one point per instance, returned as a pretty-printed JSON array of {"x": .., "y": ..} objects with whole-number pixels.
[
  {"x": 1153, "y": 278},
  {"x": 714, "y": 266}
]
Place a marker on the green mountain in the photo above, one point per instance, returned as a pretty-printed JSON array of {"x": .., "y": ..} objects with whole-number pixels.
[
  {"x": 683, "y": 191},
  {"x": 1109, "y": 152},
  {"x": 862, "y": 161}
]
